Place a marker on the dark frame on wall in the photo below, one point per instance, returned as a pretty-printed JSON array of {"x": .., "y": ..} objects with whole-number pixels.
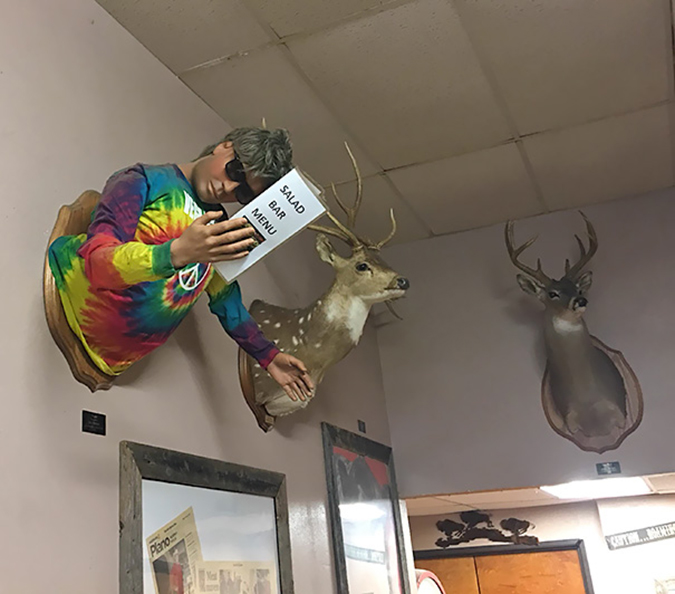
[
  {"x": 549, "y": 547},
  {"x": 139, "y": 462},
  {"x": 335, "y": 437}
]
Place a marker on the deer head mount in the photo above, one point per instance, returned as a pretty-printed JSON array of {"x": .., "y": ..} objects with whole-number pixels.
[
  {"x": 589, "y": 392},
  {"x": 564, "y": 297},
  {"x": 325, "y": 331}
]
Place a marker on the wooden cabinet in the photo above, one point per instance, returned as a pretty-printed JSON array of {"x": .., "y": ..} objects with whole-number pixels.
[
  {"x": 555, "y": 572},
  {"x": 484, "y": 570},
  {"x": 456, "y": 575}
]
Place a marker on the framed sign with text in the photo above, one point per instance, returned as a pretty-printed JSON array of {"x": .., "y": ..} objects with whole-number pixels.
[
  {"x": 640, "y": 536},
  {"x": 364, "y": 513}
]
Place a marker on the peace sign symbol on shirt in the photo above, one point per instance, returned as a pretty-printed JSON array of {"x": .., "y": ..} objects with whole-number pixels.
[{"x": 189, "y": 277}]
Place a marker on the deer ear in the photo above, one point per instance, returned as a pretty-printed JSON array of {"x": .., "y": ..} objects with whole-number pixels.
[
  {"x": 325, "y": 249},
  {"x": 585, "y": 281},
  {"x": 530, "y": 285}
]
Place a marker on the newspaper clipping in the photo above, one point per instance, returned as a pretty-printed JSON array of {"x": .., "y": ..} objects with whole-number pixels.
[
  {"x": 232, "y": 577},
  {"x": 173, "y": 550}
]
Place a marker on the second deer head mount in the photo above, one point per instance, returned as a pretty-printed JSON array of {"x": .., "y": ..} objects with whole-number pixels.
[
  {"x": 589, "y": 392},
  {"x": 325, "y": 331}
]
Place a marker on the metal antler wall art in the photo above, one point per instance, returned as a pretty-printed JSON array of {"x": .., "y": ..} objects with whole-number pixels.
[
  {"x": 476, "y": 525},
  {"x": 589, "y": 392},
  {"x": 325, "y": 331}
]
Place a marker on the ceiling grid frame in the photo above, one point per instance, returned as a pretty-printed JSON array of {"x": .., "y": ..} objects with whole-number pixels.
[
  {"x": 284, "y": 39},
  {"x": 384, "y": 171},
  {"x": 501, "y": 102},
  {"x": 624, "y": 24},
  {"x": 381, "y": 172}
]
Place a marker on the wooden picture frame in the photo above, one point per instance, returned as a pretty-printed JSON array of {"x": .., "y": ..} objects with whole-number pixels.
[
  {"x": 168, "y": 469},
  {"x": 360, "y": 478}
]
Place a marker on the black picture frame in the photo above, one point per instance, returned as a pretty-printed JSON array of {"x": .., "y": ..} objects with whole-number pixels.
[
  {"x": 361, "y": 448},
  {"x": 139, "y": 462}
]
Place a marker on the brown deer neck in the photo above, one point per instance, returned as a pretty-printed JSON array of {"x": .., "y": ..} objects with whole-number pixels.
[{"x": 566, "y": 336}]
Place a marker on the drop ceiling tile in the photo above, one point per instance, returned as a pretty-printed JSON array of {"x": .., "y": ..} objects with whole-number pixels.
[
  {"x": 264, "y": 84},
  {"x": 612, "y": 158},
  {"x": 469, "y": 191},
  {"x": 431, "y": 506},
  {"x": 662, "y": 483},
  {"x": 424, "y": 502},
  {"x": 503, "y": 499},
  {"x": 561, "y": 62},
  {"x": 183, "y": 34},
  {"x": 495, "y": 505},
  {"x": 373, "y": 220},
  {"x": 406, "y": 81},
  {"x": 292, "y": 16}
]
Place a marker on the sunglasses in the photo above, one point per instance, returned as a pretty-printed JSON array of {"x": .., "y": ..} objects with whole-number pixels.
[{"x": 236, "y": 172}]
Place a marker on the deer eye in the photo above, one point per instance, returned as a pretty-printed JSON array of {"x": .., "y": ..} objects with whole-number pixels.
[
  {"x": 554, "y": 294},
  {"x": 362, "y": 267}
]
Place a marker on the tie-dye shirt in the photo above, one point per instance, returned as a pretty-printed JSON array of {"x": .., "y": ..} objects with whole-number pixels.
[{"x": 121, "y": 295}]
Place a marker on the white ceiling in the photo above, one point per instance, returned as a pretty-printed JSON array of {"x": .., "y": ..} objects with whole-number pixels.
[
  {"x": 432, "y": 505},
  {"x": 461, "y": 113}
]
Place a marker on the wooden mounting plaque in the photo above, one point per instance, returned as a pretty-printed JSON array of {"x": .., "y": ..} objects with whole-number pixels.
[
  {"x": 634, "y": 406},
  {"x": 72, "y": 219}
]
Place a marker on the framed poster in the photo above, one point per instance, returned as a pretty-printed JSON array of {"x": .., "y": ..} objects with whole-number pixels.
[
  {"x": 192, "y": 525},
  {"x": 364, "y": 512}
]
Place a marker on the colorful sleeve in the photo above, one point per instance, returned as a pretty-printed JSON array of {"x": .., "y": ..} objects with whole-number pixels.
[
  {"x": 113, "y": 260},
  {"x": 225, "y": 302}
]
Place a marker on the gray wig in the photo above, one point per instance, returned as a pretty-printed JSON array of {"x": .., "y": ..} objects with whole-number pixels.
[{"x": 266, "y": 154}]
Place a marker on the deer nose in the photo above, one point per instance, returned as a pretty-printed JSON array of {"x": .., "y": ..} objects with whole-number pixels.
[
  {"x": 402, "y": 283},
  {"x": 581, "y": 302}
]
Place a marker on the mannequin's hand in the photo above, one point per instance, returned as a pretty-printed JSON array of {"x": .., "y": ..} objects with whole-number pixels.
[
  {"x": 291, "y": 374},
  {"x": 204, "y": 243}
]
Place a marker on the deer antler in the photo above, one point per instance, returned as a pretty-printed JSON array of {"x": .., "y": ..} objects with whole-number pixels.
[
  {"x": 346, "y": 232},
  {"x": 585, "y": 257},
  {"x": 354, "y": 210},
  {"x": 341, "y": 232},
  {"x": 380, "y": 245},
  {"x": 514, "y": 252}
]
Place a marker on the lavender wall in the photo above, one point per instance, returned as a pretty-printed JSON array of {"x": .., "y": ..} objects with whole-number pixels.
[
  {"x": 81, "y": 98},
  {"x": 462, "y": 372}
]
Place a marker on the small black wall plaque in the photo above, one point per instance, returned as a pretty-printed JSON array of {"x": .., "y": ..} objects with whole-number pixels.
[
  {"x": 362, "y": 426},
  {"x": 93, "y": 422},
  {"x": 605, "y": 468}
]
